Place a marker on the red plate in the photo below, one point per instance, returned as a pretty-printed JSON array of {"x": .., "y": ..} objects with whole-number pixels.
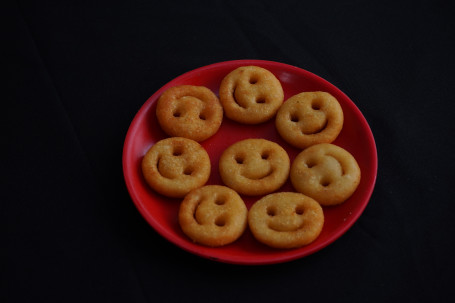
[{"x": 161, "y": 212}]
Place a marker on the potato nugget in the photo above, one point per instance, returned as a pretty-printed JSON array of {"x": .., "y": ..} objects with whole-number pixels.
[
  {"x": 286, "y": 220},
  {"x": 213, "y": 215},
  {"x": 251, "y": 95}
]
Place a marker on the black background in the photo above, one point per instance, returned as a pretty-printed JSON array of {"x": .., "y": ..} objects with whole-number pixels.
[{"x": 78, "y": 71}]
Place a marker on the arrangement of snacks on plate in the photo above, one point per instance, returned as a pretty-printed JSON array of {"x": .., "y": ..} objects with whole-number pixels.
[{"x": 322, "y": 174}]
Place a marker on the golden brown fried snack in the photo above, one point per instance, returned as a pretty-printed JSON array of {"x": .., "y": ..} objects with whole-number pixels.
[
  {"x": 326, "y": 172},
  {"x": 254, "y": 166},
  {"x": 309, "y": 118},
  {"x": 213, "y": 215},
  {"x": 251, "y": 95},
  {"x": 286, "y": 220},
  {"x": 193, "y": 112},
  {"x": 174, "y": 166}
]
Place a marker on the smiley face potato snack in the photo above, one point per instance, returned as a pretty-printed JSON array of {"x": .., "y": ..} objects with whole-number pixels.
[
  {"x": 213, "y": 215},
  {"x": 175, "y": 166},
  {"x": 251, "y": 95},
  {"x": 286, "y": 220},
  {"x": 254, "y": 166},
  {"x": 325, "y": 172},
  {"x": 189, "y": 111},
  {"x": 309, "y": 118}
]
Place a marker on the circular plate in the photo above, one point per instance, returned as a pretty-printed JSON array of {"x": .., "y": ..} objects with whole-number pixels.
[{"x": 162, "y": 212}]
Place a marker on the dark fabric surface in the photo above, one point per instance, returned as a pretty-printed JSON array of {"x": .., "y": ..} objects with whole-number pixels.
[{"x": 78, "y": 71}]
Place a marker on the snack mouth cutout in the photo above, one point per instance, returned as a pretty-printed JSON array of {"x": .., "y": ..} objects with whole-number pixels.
[
  {"x": 287, "y": 216},
  {"x": 206, "y": 213},
  {"x": 257, "y": 174},
  {"x": 254, "y": 166},
  {"x": 248, "y": 93},
  {"x": 289, "y": 224},
  {"x": 174, "y": 167}
]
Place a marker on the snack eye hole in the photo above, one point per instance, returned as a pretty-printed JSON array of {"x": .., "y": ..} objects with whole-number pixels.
[
  {"x": 239, "y": 159},
  {"x": 188, "y": 171},
  {"x": 271, "y": 211},
  {"x": 325, "y": 183},
  {"x": 220, "y": 221},
  {"x": 177, "y": 152},
  {"x": 219, "y": 201},
  {"x": 316, "y": 105},
  {"x": 310, "y": 164},
  {"x": 177, "y": 114},
  {"x": 299, "y": 210},
  {"x": 260, "y": 100}
]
